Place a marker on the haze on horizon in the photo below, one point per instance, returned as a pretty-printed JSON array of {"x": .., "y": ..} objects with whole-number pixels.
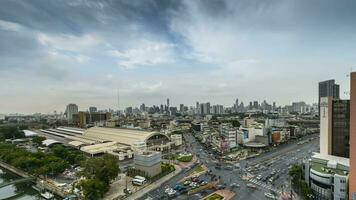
[{"x": 82, "y": 51}]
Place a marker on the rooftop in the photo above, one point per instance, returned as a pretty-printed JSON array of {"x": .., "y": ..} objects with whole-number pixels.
[{"x": 329, "y": 164}]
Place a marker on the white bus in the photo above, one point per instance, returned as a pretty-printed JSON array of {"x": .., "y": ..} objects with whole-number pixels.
[
  {"x": 140, "y": 182},
  {"x": 140, "y": 177}
]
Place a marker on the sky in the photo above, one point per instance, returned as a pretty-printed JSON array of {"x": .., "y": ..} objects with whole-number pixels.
[{"x": 53, "y": 53}]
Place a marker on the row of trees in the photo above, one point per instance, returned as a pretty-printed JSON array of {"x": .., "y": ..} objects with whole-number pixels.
[
  {"x": 98, "y": 173},
  {"x": 296, "y": 173},
  {"x": 38, "y": 163},
  {"x": 55, "y": 161}
]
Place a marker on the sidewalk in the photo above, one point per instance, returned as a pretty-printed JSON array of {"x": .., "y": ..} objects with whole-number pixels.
[
  {"x": 154, "y": 185},
  {"x": 116, "y": 189}
]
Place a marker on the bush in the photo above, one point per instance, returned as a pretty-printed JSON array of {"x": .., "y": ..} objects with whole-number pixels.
[{"x": 185, "y": 158}]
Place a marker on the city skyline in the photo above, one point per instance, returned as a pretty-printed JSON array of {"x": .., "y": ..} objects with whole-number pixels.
[{"x": 84, "y": 51}]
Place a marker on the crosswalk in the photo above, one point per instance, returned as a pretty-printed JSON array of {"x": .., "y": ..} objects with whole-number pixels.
[{"x": 264, "y": 185}]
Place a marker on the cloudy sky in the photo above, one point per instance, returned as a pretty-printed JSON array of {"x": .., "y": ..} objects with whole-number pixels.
[{"x": 79, "y": 51}]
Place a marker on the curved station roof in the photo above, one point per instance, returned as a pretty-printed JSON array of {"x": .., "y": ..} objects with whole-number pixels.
[{"x": 122, "y": 136}]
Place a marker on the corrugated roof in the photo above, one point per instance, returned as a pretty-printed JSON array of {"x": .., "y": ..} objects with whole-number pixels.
[
  {"x": 50, "y": 142},
  {"x": 100, "y": 148},
  {"x": 122, "y": 136},
  {"x": 76, "y": 143}
]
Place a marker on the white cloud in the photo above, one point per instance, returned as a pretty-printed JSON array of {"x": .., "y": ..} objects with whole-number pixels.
[
  {"x": 68, "y": 42},
  {"x": 145, "y": 53},
  {"x": 82, "y": 59},
  {"x": 10, "y": 26}
]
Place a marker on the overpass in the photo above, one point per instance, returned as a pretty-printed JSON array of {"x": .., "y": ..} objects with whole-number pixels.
[{"x": 21, "y": 180}]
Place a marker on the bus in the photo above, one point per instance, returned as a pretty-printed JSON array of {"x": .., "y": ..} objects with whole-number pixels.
[
  {"x": 140, "y": 177},
  {"x": 138, "y": 182}
]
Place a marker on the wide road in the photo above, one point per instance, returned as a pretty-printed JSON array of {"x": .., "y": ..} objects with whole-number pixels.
[{"x": 279, "y": 159}]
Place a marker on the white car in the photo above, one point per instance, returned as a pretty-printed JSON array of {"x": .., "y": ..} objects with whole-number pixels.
[
  {"x": 171, "y": 192},
  {"x": 270, "y": 196}
]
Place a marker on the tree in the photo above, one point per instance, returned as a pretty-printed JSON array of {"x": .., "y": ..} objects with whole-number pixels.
[
  {"x": 10, "y": 132},
  {"x": 38, "y": 140},
  {"x": 98, "y": 171},
  {"x": 93, "y": 188},
  {"x": 296, "y": 173},
  {"x": 103, "y": 168}
]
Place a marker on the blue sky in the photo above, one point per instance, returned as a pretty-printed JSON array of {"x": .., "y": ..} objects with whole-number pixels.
[{"x": 57, "y": 52}]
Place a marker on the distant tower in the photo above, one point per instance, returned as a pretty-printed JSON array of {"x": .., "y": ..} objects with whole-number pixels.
[{"x": 168, "y": 103}]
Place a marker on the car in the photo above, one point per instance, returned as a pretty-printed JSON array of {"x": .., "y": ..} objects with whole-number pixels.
[
  {"x": 220, "y": 187},
  {"x": 204, "y": 183},
  {"x": 270, "y": 196},
  {"x": 195, "y": 180},
  {"x": 234, "y": 185},
  {"x": 193, "y": 184},
  {"x": 187, "y": 183},
  {"x": 171, "y": 192},
  {"x": 252, "y": 186},
  {"x": 259, "y": 177},
  {"x": 178, "y": 187},
  {"x": 228, "y": 167},
  {"x": 127, "y": 191}
]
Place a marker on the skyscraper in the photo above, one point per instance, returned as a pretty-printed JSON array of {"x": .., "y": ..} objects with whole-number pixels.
[
  {"x": 92, "y": 109},
  {"x": 71, "y": 109},
  {"x": 168, "y": 103},
  {"x": 352, "y": 176},
  {"x": 341, "y": 128},
  {"x": 181, "y": 108},
  {"x": 328, "y": 89},
  {"x": 334, "y": 126}
]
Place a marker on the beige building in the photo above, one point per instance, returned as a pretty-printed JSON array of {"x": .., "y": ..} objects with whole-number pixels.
[{"x": 149, "y": 162}]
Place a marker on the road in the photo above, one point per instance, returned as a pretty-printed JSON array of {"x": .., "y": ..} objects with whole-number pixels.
[{"x": 279, "y": 159}]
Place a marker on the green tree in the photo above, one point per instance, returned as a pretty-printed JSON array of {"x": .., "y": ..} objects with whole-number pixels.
[
  {"x": 93, "y": 188},
  {"x": 38, "y": 140},
  {"x": 103, "y": 168}
]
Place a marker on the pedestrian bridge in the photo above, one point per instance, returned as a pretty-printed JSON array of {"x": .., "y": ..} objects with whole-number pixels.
[{"x": 21, "y": 180}]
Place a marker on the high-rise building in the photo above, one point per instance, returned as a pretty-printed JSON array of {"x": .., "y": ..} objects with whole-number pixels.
[
  {"x": 181, "y": 108},
  {"x": 352, "y": 176},
  {"x": 328, "y": 89},
  {"x": 197, "y": 111},
  {"x": 168, "y": 103},
  {"x": 92, "y": 109},
  {"x": 255, "y": 105},
  {"x": 334, "y": 127},
  {"x": 71, "y": 109},
  {"x": 340, "y": 128},
  {"x": 143, "y": 107}
]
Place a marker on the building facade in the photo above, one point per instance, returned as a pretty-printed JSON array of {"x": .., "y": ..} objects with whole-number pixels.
[
  {"x": 341, "y": 128},
  {"x": 327, "y": 176},
  {"x": 334, "y": 126},
  {"x": 71, "y": 109},
  {"x": 352, "y": 179},
  {"x": 328, "y": 89}
]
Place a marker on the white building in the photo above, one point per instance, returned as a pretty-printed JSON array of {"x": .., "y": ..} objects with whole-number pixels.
[
  {"x": 71, "y": 109},
  {"x": 229, "y": 133},
  {"x": 327, "y": 176},
  {"x": 177, "y": 139},
  {"x": 325, "y": 125}
]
